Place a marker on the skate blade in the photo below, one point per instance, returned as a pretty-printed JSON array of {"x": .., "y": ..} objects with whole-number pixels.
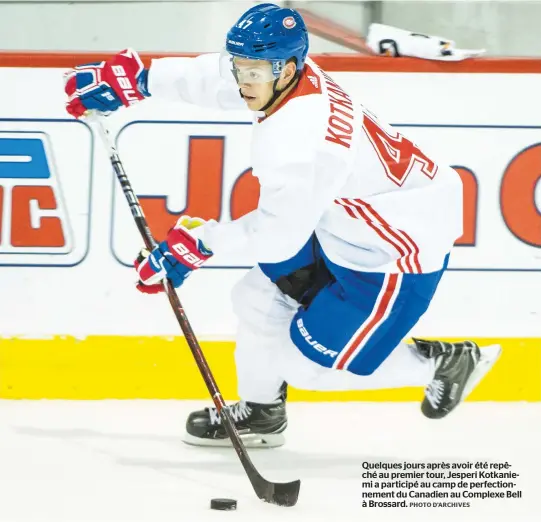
[
  {"x": 252, "y": 440},
  {"x": 489, "y": 356}
]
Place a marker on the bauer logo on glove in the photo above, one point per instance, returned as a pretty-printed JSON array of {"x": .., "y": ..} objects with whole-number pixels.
[
  {"x": 187, "y": 256},
  {"x": 174, "y": 259},
  {"x": 106, "y": 86}
]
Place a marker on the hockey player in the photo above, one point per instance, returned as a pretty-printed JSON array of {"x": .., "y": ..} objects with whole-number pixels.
[{"x": 352, "y": 232}]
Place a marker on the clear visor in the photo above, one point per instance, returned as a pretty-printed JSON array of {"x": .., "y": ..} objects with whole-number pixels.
[{"x": 245, "y": 70}]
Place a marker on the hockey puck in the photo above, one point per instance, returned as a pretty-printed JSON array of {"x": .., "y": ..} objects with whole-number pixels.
[{"x": 223, "y": 504}]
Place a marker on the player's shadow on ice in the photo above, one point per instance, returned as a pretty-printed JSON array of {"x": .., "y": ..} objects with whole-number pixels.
[
  {"x": 226, "y": 461},
  {"x": 305, "y": 464},
  {"x": 84, "y": 433},
  {"x": 219, "y": 460}
]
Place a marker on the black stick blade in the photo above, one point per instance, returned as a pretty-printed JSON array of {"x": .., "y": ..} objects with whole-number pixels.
[
  {"x": 279, "y": 493},
  {"x": 286, "y": 494}
]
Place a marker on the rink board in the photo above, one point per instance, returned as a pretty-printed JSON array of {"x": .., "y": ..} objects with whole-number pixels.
[
  {"x": 109, "y": 367},
  {"x": 72, "y": 324}
]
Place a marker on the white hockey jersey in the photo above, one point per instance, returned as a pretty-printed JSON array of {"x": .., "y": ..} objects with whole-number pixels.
[{"x": 326, "y": 164}]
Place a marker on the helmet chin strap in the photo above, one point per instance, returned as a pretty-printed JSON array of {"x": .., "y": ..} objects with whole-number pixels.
[{"x": 276, "y": 93}]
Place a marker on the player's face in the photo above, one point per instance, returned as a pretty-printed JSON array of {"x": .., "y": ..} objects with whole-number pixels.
[{"x": 255, "y": 79}]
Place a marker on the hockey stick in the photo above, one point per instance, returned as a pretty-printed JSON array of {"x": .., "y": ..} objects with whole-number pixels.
[{"x": 283, "y": 494}]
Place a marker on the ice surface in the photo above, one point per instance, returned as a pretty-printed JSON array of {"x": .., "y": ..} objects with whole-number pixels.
[{"x": 115, "y": 461}]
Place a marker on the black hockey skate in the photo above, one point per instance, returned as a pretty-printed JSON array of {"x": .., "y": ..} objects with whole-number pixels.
[
  {"x": 259, "y": 425},
  {"x": 459, "y": 368}
]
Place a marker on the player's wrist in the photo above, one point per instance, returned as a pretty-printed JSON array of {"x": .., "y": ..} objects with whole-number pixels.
[{"x": 199, "y": 235}]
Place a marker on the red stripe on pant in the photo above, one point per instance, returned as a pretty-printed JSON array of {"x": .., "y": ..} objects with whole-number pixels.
[{"x": 369, "y": 328}]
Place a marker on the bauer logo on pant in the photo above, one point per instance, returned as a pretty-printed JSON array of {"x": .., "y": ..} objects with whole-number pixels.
[
  {"x": 43, "y": 220},
  {"x": 317, "y": 346}
]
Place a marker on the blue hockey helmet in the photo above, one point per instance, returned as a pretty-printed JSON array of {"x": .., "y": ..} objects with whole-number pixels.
[{"x": 272, "y": 33}]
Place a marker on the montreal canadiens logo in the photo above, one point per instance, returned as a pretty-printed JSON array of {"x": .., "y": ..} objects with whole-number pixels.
[{"x": 289, "y": 22}]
